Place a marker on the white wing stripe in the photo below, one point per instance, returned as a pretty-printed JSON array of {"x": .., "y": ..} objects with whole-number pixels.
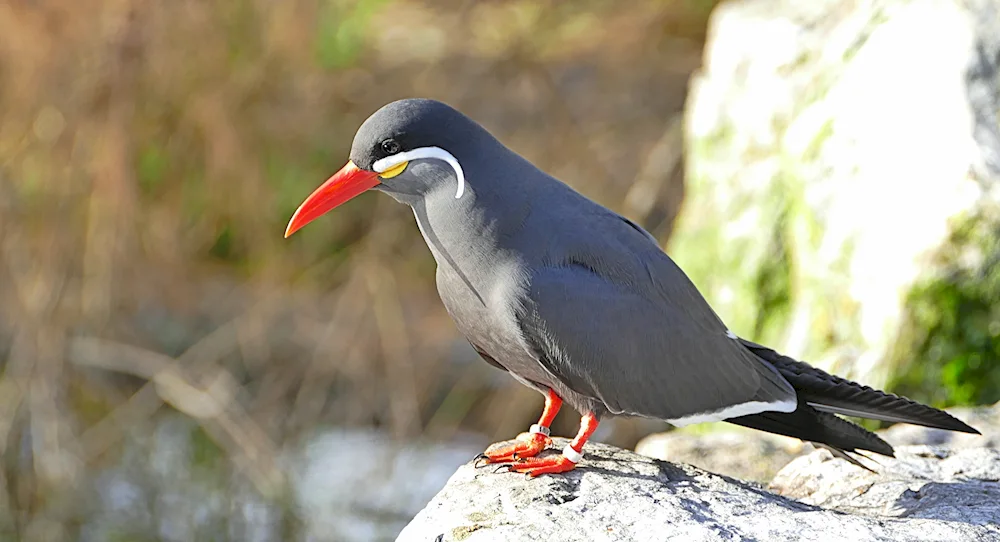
[{"x": 734, "y": 411}]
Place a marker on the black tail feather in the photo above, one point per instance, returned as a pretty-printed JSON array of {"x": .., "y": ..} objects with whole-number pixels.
[
  {"x": 807, "y": 423},
  {"x": 837, "y": 452},
  {"x": 833, "y": 394}
]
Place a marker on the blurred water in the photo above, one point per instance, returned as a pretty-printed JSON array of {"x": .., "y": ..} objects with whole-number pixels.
[
  {"x": 343, "y": 485},
  {"x": 361, "y": 486}
]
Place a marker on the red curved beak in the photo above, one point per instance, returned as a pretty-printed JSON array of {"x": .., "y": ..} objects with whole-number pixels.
[{"x": 344, "y": 185}]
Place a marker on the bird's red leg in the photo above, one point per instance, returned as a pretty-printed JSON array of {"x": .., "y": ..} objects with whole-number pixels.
[
  {"x": 531, "y": 443},
  {"x": 566, "y": 461}
]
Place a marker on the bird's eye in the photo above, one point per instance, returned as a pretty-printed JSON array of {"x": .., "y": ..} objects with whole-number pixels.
[{"x": 390, "y": 146}]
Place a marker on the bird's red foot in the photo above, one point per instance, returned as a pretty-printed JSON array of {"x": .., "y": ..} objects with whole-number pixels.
[
  {"x": 553, "y": 464},
  {"x": 556, "y": 464},
  {"x": 526, "y": 445}
]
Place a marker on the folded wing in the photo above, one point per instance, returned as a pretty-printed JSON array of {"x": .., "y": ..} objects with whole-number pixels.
[{"x": 639, "y": 353}]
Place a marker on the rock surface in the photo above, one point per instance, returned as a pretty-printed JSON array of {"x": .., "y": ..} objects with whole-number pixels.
[
  {"x": 618, "y": 495},
  {"x": 806, "y": 124},
  {"x": 984, "y": 418},
  {"x": 754, "y": 455},
  {"x": 730, "y": 450},
  {"x": 921, "y": 482}
]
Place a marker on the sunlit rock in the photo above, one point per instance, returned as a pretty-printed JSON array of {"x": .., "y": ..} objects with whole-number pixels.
[{"x": 833, "y": 148}]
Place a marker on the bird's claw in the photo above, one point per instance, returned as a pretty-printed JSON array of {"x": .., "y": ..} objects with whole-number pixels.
[
  {"x": 506, "y": 467},
  {"x": 476, "y": 461},
  {"x": 535, "y": 466},
  {"x": 529, "y": 446}
]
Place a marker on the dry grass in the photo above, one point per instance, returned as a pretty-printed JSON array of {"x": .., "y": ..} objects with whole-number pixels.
[{"x": 150, "y": 153}]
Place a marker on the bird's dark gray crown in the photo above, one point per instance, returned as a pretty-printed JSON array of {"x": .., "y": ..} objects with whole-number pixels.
[{"x": 412, "y": 123}]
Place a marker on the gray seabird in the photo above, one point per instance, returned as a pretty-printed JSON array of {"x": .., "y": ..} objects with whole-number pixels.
[{"x": 580, "y": 303}]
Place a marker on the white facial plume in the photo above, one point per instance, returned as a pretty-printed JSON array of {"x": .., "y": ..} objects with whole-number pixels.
[{"x": 432, "y": 153}]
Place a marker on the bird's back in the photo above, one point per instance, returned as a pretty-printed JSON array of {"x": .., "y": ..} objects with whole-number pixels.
[{"x": 531, "y": 272}]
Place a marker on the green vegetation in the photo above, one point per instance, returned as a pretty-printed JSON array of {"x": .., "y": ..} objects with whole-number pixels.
[
  {"x": 949, "y": 350},
  {"x": 773, "y": 283},
  {"x": 344, "y": 30}
]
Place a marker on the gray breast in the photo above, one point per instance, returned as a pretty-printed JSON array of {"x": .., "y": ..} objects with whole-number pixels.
[
  {"x": 482, "y": 277},
  {"x": 479, "y": 278},
  {"x": 484, "y": 312},
  {"x": 491, "y": 326}
]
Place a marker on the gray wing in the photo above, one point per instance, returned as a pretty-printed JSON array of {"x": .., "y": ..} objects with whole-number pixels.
[{"x": 615, "y": 319}]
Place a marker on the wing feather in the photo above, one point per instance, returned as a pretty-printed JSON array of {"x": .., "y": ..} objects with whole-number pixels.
[{"x": 624, "y": 325}]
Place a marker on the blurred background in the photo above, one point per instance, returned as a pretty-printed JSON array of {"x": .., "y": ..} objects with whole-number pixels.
[{"x": 175, "y": 370}]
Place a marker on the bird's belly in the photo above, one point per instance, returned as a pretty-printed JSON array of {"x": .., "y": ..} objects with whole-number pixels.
[
  {"x": 483, "y": 316},
  {"x": 492, "y": 327}
]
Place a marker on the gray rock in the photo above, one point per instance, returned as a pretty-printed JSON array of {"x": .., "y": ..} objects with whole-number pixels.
[
  {"x": 754, "y": 455},
  {"x": 985, "y": 418},
  {"x": 921, "y": 482},
  {"x": 618, "y": 495},
  {"x": 808, "y": 126},
  {"x": 732, "y": 451}
]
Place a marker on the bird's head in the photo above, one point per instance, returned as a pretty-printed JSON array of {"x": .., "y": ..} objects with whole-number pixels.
[{"x": 405, "y": 149}]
